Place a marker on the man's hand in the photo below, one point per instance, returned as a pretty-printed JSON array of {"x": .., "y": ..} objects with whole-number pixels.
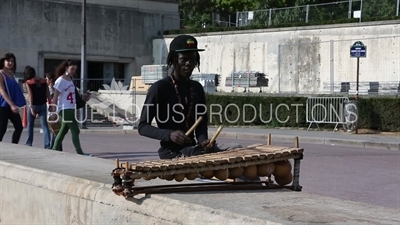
[
  {"x": 204, "y": 144},
  {"x": 179, "y": 137}
]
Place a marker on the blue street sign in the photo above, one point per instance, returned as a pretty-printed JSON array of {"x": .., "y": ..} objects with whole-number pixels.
[{"x": 358, "y": 50}]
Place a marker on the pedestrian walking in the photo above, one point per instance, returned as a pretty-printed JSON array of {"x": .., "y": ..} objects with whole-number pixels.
[
  {"x": 38, "y": 96},
  {"x": 50, "y": 79},
  {"x": 11, "y": 98},
  {"x": 66, "y": 97}
]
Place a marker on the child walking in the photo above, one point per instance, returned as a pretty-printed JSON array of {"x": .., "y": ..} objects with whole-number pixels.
[{"x": 50, "y": 79}]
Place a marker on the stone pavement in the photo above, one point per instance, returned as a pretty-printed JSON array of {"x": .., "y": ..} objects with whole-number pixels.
[
  {"x": 77, "y": 189},
  {"x": 380, "y": 141}
]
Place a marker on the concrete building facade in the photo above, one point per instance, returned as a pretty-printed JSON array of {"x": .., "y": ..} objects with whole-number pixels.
[{"x": 42, "y": 33}]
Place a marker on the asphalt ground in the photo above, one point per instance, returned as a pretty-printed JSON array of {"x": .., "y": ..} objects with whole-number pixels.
[{"x": 350, "y": 173}]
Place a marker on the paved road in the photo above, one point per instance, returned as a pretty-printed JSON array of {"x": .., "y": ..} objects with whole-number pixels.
[{"x": 357, "y": 174}]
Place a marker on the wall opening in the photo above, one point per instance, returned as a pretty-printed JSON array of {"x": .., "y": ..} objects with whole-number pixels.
[{"x": 98, "y": 73}]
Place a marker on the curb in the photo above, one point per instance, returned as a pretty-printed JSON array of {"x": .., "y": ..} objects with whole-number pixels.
[
  {"x": 281, "y": 138},
  {"x": 275, "y": 138},
  {"x": 311, "y": 140}
]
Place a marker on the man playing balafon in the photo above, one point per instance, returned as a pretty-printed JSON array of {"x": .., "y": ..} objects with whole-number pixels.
[{"x": 165, "y": 98}]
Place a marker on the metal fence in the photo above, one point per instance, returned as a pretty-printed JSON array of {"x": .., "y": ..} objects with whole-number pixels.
[
  {"x": 339, "y": 10},
  {"x": 95, "y": 84},
  {"x": 331, "y": 110},
  {"x": 325, "y": 67}
]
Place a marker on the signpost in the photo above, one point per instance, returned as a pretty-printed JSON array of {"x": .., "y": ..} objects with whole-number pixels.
[{"x": 358, "y": 50}]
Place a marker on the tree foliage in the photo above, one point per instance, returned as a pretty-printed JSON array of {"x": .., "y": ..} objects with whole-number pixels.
[{"x": 195, "y": 12}]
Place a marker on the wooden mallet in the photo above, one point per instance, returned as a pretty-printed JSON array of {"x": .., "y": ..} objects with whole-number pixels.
[
  {"x": 215, "y": 136},
  {"x": 194, "y": 126}
]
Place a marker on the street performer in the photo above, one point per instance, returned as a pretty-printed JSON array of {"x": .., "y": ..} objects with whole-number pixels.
[{"x": 176, "y": 102}]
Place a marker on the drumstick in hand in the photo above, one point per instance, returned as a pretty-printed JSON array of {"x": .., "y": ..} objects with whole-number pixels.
[
  {"x": 215, "y": 136},
  {"x": 194, "y": 126}
]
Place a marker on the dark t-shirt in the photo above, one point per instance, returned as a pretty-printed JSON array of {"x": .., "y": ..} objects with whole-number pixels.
[
  {"x": 38, "y": 90},
  {"x": 161, "y": 103}
]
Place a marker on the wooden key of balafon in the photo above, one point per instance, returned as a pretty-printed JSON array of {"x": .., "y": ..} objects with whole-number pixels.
[{"x": 194, "y": 126}]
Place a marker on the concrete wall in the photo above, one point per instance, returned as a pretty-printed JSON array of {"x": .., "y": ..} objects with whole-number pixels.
[
  {"x": 300, "y": 60},
  {"x": 118, "y": 31},
  {"x": 162, "y": 6},
  {"x": 47, "y": 187}
]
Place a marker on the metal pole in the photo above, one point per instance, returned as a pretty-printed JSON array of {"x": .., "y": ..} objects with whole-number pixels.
[
  {"x": 248, "y": 81},
  {"x": 162, "y": 24},
  {"x": 350, "y": 8},
  {"x": 307, "y": 12},
  {"x": 361, "y": 6},
  {"x": 358, "y": 77},
  {"x": 270, "y": 17},
  {"x": 237, "y": 19},
  {"x": 332, "y": 67},
  {"x": 397, "y": 7},
  {"x": 83, "y": 63},
  {"x": 279, "y": 68}
]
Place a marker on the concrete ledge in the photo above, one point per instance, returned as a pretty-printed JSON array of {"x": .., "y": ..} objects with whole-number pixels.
[
  {"x": 91, "y": 202},
  {"x": 48, "y": 187},
  {"x": 36, "y": 195}
]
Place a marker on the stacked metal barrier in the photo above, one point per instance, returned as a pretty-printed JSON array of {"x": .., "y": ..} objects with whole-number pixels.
[
  {"x": 246, "y": 79},
  {"x": 152, "y": 73}
]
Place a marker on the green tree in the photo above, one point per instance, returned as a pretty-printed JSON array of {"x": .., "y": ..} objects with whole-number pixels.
[
  {"x": 234, "y": 5},
  {"x": 194, "y": 13},
  {"x": 327, "y": 11},
  {"x": 382, "y": 8}
]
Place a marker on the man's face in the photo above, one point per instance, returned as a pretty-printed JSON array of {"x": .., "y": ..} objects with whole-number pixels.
[{"x": 186, "y": 63}]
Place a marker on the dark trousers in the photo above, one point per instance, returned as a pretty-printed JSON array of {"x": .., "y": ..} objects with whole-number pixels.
[{"x": 5, "y": 115}]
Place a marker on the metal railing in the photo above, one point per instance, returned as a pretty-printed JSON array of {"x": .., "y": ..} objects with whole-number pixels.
[
  {"x": 339, "y": 10},
  {"x": 95, "y": 84},
  {"x": 331, "y": 110}
]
